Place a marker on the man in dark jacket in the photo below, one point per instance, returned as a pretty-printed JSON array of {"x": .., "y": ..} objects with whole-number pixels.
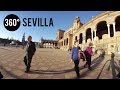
[{"x": 30, "y": 50}]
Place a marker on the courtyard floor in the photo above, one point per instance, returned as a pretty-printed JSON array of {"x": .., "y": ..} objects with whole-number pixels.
[{"x": 54, "y": 64}]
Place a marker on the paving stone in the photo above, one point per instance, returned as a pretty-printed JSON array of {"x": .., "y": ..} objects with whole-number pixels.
[{"x": 48, "y": 60}]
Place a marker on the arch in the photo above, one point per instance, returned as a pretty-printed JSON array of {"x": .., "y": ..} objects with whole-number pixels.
[
  {"x": 64, "y": 42},
  {"x": 117, "y": 23},
  {"x": 111, "y": 31},
  {"x": 88, "y": 34},
  {"x": 116, "y": 17},
  {"x": 80, "y": 38},
  {"x": 93, "y": 34},
  {"x": 75, "y": 38},
  {"x": 67, "y": 41},
  {"x": 101, "y": 29}
]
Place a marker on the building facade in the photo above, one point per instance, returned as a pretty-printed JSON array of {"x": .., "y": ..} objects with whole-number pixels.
[
  {"x": 102, "y": 30},
  {"x": 48, "y": 43}
]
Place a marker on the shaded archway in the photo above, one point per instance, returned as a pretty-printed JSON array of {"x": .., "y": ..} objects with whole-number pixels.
[
  {"x": 64, "y": 42},
  {"x": 101, "y": 29},
  {"x": 75, "y": 38},
  {"x": 93, "y": 34},
  {"x": 67, "y": 41},
  {"x": 117, "y": 23},
  {"x": 88, "y": 34},
  {"x": 80, "y": 38},
  {"x": 111, "y": 31}
]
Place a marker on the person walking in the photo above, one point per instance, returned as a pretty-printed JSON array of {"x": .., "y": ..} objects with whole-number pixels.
[
  {"x": 88, "y": 53},
  {"x": 30, "y": 50},
  {"x": 75, "y": 58}
]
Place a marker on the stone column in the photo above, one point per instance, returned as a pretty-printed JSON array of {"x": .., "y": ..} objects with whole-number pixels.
[
  {"x": 63, "y": 42},
  {"x": 108, "y": 25},
  {"x": 95, "y": 34},
  {"x": 45, "y": 44},
  {"x": 114, "y": 28},
  {"x": 49, "y": 45},
  {"x": 84, "y": 37},
  {"x": 78, "y": 38}
]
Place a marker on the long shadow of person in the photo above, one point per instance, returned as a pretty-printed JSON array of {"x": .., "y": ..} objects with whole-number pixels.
[
  {"x": 92, "y": 62},
  {"x": 114, "y": 67},
  {"x": 60, "y": 71},
  {"x": 96, "y": 60},
  {"x": 50, "y": 71},
  {"x": 94, "y": 65}
]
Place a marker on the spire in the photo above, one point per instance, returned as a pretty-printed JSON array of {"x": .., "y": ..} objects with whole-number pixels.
[
  {"x": 24, "y": 35},
  {"x": 41, "y": 38},
  {"x": 23, "y": 39}
]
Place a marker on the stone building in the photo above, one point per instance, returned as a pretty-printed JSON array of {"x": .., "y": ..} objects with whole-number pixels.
[
  {"x": 102, "y": 30},
  {"x": 45, "y": 43}
]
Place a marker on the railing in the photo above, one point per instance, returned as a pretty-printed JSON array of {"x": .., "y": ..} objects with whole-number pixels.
[
  {"x": 108, "y": 40},
  {"x": 113, "y": 65},
  {"x": 100, "y": 42}
]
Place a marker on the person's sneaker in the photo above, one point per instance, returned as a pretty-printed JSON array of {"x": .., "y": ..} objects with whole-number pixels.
[
  {"x": 90, "y": 68},
  {"x": 78, "y": 76},
  {"x": 27, "y": 71},
  {"x": 118, "y": 75},
  {"x": 84, "y": 66}
]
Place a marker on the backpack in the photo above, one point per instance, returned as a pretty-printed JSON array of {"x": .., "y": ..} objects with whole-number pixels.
[
  {"x": 81, "y": 56},
  {"x": 86, "y": 53}
]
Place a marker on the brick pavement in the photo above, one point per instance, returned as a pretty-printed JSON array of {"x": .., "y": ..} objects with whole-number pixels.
[{"x": 51, "y": 64}]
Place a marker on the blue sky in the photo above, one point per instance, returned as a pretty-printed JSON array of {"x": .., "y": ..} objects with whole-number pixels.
[{"x": 61, "y": 19}]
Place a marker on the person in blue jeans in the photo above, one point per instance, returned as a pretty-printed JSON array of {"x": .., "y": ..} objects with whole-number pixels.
[{"x": 75, "y": 58}]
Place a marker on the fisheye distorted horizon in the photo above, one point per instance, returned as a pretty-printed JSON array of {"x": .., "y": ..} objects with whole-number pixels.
[{"x": 61, "y": 19}]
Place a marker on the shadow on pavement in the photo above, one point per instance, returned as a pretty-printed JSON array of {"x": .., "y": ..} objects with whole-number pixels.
[
  {"x": 94, "y": 65},
  {"x": 57, "y": 72},
  {"x": 114, "y": 67},
  {"x": 92, "y": 62},
  {"x": 10, "y": 73},
  {"x": 50, "y": 71}
]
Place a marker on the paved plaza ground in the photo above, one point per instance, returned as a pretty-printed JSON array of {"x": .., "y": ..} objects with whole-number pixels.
[{"x": 54, "y": 64}]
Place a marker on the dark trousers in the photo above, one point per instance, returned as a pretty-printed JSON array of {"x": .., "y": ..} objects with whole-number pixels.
[
  {"x": 88, "y": 59},
  {"x": 1, "y": 76},
  {"x": 118, "y": 75},
  {"x": 76, "y": 63},
  {"x": 27, "y": 62}
]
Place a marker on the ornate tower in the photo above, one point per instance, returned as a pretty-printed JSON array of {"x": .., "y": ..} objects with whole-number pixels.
[
  {"x": 77, "y": 23},
  {"x": 23, "y": 40}
]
